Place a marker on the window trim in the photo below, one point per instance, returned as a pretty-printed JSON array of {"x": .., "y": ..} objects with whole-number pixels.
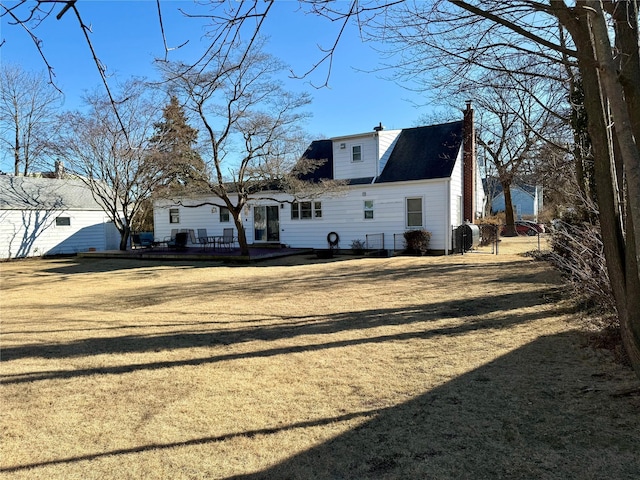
[
  {"x": 359, "y": 147},
  {"x": 368, "y": 210},
  {"x": 407, "y": 212},
  {"x": 313, "y": 212},
  {"x": 174, "y": 216},
  {"x": 224, "y": 211}
]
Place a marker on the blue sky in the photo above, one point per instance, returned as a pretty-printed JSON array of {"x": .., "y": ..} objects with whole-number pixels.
[{"x": 126, "y": 36}]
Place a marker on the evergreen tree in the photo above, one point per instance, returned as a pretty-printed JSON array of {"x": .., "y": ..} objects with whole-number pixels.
[
  {"x": 175, "y": 141},
  {"x": 173, "y": 147}
]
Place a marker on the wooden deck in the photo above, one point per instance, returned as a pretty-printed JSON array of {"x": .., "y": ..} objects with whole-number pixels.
[{"x": 197, "y": 253}]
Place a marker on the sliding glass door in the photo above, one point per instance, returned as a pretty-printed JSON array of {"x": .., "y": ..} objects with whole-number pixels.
[{"x": 266, "y": 223}]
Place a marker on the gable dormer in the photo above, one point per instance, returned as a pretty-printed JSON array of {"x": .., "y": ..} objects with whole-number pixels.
[
  {"x": 363, "y": 155},
  {"x": 354, "y": 156}
]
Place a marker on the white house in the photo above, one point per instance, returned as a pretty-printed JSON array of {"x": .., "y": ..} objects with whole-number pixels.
[
  {"x": 50, "y": 216},
  {"x": 423, "y": 177}
]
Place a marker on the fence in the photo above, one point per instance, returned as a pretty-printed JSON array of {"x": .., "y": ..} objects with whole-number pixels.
[{"x": 374, "y": 241}]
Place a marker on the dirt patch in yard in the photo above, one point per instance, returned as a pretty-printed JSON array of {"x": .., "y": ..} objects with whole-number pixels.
[{"x": 467, "y": 366}]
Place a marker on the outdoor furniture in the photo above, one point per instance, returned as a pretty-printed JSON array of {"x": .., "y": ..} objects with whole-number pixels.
[
  {"x": 179, "y": 242},
  {"x": 205, "y": 240},
  {"x": 170, "y": 239},
  {"x": 227, "y": 239},
  {"x": 142, "y": 240}
]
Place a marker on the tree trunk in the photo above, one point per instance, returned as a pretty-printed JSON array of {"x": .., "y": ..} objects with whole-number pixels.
[
  {"x": 617, "y": 103},
  {"x": 242, "y": 234},
  {"x": 510, "y": 222},
  {"x": 16, "y": 153},
  {"x": 124, "y": 238},
  {"x": 590, "y": 36},
  {"x": 626, "y": 148},
  {"x": 630, "y": 329}
]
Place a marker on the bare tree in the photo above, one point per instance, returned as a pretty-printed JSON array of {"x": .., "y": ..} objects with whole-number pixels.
[
  {"x": 597, "y": 41},
  {"x": 116, "y": 164},
  {"x": 514, "y": 131},
  {"x": 249, "y": 121},
  {"x": 28, "y": 109}
]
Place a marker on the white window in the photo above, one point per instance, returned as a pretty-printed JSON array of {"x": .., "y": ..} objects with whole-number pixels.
[
  {"x": 306, "y": 210},
  {"x": 224, "y": 214},
  {"x": 414, "y": 212},
  {"x": 174, "y": 215},
  {"x": 356, "y": 153},
  {"x": 368, "y": 209}
]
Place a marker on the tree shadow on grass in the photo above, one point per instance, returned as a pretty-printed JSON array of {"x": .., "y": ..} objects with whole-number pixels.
[
  {"x": 73, "y": 266},
  {"x": 290, "y": 328},
  {"x": 538, "y": 412},
  {"x": 495, "y": 311}
]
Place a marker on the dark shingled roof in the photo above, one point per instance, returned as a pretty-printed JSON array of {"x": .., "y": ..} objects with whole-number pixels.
[
  {"x": 420, "y": 153},
  {"x": 360, "y": 181},
  {"x": 319, "y": 150},
  {"x": 423, "y": 153}
]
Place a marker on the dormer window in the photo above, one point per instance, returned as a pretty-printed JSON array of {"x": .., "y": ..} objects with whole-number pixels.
[{"x": 356, "y": 153}]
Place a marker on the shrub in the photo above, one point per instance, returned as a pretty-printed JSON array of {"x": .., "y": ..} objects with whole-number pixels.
[
  {"x": 358, "y": 246},
  {"x": 577, "y": 251},
  {"x": 490, "y": 231},
  {"x": 417, "y": 241}
]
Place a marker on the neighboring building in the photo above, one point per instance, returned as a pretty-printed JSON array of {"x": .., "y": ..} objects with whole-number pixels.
[
  {"x": 50, "y": 216},
  {"x": 527, "y": 200},
  {"x": 424, "y": 177}
]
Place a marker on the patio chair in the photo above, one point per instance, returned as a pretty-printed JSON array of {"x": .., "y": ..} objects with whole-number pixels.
[
  {"x": 192, "y": 236},
  {"x": 205, "y": 240},
  {"x": 135, "y": 240},
  {"x": 227, "y": 239},
  {"x": 171, "y": 238},
  {"x": 142, "y": 240},
  {"x": 179, "y": 242}
]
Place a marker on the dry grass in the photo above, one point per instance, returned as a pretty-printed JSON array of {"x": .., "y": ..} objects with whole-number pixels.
[{"x": 433, "y": 367}]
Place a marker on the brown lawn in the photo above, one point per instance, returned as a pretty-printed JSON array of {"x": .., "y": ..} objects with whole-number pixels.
[{"x": 451, "y": 367}]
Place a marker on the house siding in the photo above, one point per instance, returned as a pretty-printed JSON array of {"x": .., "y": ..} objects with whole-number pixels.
[
  {"x": 191, "y": 218},
  {"x": 480, "y": 194},
  {"x": 523, "y": 203},
  {"x": 386, "y": 141},
  {"x": 28, "y": 233},
  {"x": 456, "y": 192},
  {"x": 342, "y": 214},
  {"x": 344, "y": 168}
]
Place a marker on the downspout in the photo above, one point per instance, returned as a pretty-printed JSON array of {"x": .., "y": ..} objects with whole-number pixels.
[{"x": 447, "y": 218}]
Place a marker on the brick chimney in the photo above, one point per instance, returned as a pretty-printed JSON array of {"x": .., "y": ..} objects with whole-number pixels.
[{"x": 469, "y": 166}]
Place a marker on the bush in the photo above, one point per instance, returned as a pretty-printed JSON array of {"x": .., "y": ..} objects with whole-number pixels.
[
  {"x": 358, "y": 246},
  {"x": 577, "y": 251},
  {"x": 489, "y": 231},
  {"x": 417, "y": 241}
]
